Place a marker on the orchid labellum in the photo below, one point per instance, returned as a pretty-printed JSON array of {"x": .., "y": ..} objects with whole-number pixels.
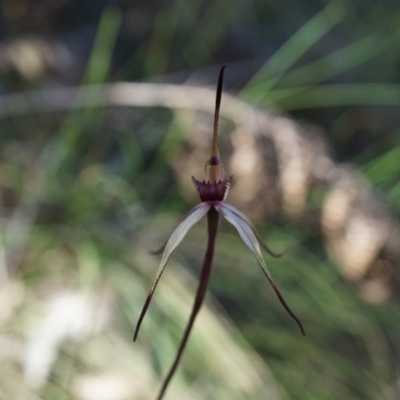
[{"x": 212, "y": 191}]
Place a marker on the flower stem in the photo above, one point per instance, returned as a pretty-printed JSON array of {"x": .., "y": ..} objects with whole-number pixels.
[{"x": 212, "y": 225}]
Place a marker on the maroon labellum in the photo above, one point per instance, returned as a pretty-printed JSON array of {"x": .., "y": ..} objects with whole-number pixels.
[{"x": 212, "y": 192}]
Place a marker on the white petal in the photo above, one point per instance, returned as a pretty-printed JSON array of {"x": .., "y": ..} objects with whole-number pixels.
[
  {"x": 243, "y": 217},
  {"x": 194, "y": 216},
  {"x": 243, "y": 226}
]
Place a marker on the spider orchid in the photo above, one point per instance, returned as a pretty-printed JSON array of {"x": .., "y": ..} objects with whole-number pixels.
[{"x": 212, "y": 191}]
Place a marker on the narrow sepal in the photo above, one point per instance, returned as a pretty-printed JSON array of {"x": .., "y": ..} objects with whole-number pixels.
[
  {"x": 159, "y": 250},
  {"x": 250, "y": 239},
  {"x": 194, "y": 216},
  {"x": 214, "y": 147}
]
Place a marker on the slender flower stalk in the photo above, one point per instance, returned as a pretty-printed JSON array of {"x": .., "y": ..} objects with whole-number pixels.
[
  {"x": 212, "y": 225},
  {"x": 212, "y": 191}
]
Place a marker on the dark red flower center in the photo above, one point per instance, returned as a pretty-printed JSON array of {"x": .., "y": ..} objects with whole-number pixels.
[{"x": 210, "y": 192}]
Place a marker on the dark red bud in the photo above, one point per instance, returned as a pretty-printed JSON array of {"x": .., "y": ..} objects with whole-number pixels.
[{"x": 213, "y": 160}]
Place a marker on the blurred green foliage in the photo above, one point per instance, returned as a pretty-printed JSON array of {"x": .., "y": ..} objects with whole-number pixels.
[{"x": 86, "y": 194}]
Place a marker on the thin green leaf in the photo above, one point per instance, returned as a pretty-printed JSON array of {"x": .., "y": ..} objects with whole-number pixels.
[
  {"x": 195, "y": 215},
  {"x": 248, "y": 236}
]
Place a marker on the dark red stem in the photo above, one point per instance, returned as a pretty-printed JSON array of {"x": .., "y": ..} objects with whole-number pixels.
[{"x": 212, "y": 223}]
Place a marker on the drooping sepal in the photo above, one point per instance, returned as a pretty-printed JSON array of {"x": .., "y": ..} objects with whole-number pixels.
[
  {"x": 236, "y": 218},
  {"x": 194, "y": 216},
  {"x": 210, "y": 192}
]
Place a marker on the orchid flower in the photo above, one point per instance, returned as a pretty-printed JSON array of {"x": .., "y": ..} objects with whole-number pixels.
[{"x": 212, "y": 191}]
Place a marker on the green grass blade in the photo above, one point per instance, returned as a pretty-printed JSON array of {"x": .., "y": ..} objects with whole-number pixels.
[
  {"x": 295, "y": 48},
  {"x": 96, "y": 72},
  {"x": 156, "y": 62},
  {"x": 334, "y": 63},
  {"x": 99, "y": 63},
  {"x": 336, "y": 95}
]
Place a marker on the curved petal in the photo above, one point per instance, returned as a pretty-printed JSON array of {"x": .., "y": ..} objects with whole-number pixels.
[
  {"x": 194, "y": 216},
  {"x": 242, "y": 216},
  {"x": 248, "y": 236}
]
